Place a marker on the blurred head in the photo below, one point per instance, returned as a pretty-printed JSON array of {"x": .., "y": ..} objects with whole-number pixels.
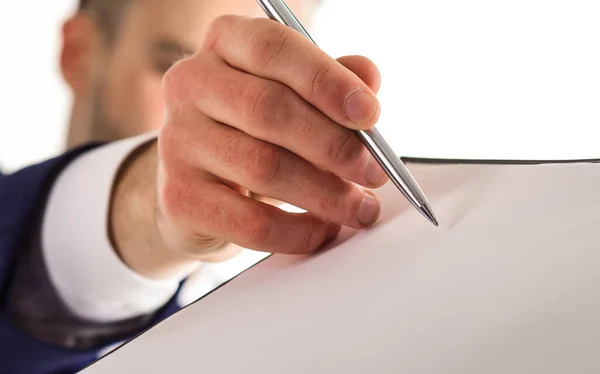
[{"x": 115, "y": 53}]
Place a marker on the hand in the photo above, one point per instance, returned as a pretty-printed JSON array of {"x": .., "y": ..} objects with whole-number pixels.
[{"x": 259, "y": 108}]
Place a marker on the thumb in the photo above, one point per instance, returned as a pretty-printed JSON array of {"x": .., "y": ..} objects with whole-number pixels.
[{"x": 364, "y": 68}]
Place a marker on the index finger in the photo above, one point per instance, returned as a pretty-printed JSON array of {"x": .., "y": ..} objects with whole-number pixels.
[{"x": 265, "y": 48}]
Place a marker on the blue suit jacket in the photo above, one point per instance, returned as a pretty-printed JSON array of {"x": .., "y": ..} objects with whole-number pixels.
[{"x": 22, "y": 200}]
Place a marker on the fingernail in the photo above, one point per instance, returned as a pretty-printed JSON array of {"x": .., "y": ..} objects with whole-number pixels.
[
  {"x": 375, "y": 174},
  {"x": 369, "y": 209},
  {"x": 360, "y": 107}
]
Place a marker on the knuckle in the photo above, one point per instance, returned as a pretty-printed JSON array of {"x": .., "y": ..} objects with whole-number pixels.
[
  {"x": 334, "y": 199},
  {"x": 228, "y": 151},
  {"x": 215, "y": 29},
  {"x": 268, "y": 44},
  {"x": 206, "y": 83},
  {"x": 256, "y": 228},
  {"x": 174, "y": 80},
  {"x": 344, "y": 149},
  {"x": 320, "y": 80},
  {"x": 264, "y": 103},
  {"x": 189, "y": 80},
  {"x": 262, "y": 165}
]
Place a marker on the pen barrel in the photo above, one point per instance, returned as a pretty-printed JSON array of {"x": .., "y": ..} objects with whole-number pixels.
[
  {"x": 392, "y": 165},
  {"x": 278, "y": 10}
]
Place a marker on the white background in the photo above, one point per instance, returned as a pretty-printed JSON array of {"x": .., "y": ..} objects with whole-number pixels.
[{"x": 493, "y": 79}]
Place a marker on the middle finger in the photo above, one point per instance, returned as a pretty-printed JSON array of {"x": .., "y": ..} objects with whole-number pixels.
[{"x": 275, "y": 172}]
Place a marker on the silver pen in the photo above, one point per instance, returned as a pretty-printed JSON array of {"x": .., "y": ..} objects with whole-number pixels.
[{"x": 278, "y": 11}]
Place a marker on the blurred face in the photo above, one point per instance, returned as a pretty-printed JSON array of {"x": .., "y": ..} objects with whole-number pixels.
[{"x": 124, "y": 96}]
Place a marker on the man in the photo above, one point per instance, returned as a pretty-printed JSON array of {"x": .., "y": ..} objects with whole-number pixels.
[{"x": 96, "y": 244}]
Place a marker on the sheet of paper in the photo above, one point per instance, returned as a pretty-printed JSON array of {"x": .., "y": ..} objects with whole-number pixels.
[{"x": 509, "y": 283}]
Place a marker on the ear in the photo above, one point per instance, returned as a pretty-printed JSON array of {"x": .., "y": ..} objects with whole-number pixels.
[{"x": 80, "y": 42}]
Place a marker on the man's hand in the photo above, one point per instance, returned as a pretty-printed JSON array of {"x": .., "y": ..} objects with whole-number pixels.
[{"x": 260, "y": 108}]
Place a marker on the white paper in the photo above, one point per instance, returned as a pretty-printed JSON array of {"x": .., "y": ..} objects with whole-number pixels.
[{"x": 509, "y": 283}]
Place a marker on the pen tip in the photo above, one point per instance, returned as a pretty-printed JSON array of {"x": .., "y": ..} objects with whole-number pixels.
[{"x": 427, "y": 212}]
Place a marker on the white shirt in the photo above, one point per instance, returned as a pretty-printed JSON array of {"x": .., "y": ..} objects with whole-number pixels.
[{"x": 84, "y": 267}]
